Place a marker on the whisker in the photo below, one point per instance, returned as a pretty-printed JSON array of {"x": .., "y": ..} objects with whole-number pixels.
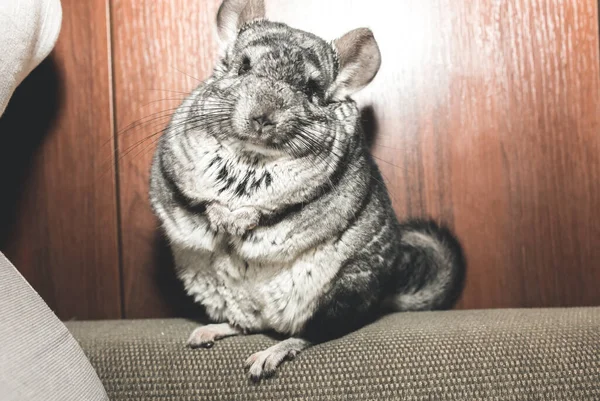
[
  {"x": 186, "y": 74},
  {"x": 169, "y": 91}
]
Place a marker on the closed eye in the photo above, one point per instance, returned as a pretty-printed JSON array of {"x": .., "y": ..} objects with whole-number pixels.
[
  {"x": 245, "y": 66},
  {"x": 312, "y": 89}
]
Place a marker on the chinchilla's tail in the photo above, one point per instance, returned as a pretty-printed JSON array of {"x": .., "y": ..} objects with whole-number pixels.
[{"x": 431, "y": 269}]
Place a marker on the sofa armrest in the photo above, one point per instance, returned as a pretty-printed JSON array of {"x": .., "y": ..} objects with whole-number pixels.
[
  {"x": 39, "y": 359},
  {"x": 549, "y": 354}
]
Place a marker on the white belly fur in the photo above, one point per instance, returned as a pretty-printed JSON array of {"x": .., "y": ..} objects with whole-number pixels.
[{"x": 260, "y": 296}]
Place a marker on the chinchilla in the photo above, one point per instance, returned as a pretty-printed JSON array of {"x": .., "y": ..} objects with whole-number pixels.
[{"x": 277, "y": 215}]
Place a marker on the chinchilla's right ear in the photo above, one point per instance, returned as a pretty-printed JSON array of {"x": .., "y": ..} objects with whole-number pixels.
[
  {"x": 359, "y": 60},
  {"x": 233, "y": 14}
]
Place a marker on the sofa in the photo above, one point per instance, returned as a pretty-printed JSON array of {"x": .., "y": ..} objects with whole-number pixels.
[{"x": 517, "y": 354}]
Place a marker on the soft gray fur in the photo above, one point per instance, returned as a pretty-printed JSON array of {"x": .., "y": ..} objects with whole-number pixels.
[{"x": 277, "y": 215}]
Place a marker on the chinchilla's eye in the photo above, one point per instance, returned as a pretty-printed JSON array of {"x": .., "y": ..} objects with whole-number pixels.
[
  {"x": 245, "y": 66},
  {"x": 312, "y": 90}
]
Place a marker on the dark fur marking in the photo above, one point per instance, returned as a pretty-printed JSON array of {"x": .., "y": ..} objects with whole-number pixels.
[
  {"x": 256, "y": 184},
  {"x": 179, "y": 197},
  {"x": 351, "y": 302},
  {"x": 268, "y": 179},
  {"x": 215, "y": 160},
  {"x": 280, "y": 215},
  {"x": 229, "y": 183},
  {"x": 222, "y": 174},
  {"x": 245, "y": 269},
  {"x": 241, "y": 188}
]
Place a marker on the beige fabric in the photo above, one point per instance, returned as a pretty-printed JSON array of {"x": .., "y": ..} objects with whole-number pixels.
[
  {"x": 28, "y": 31},
  {"x": 39, "y": 359},
  {"x": 463, "y": 355}
]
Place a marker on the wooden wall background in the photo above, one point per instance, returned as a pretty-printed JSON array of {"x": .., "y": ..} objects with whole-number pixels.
[{"x": 485, "y": 115}]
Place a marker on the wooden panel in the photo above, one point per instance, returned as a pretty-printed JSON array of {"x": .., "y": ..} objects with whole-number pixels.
[
  {"x": 484, "y": 114},
  {"x": 59, "y": 221},
  {"x": 161, "y": 51},
  {"x": 489, "y": 113}
]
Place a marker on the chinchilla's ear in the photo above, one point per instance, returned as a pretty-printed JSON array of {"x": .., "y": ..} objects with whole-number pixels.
[
  {"x": 359, "y": 61},
  {"x": 234, "y": 13}
]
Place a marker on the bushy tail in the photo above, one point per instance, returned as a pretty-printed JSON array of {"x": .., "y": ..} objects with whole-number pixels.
[{"x": 432, "y": 268}]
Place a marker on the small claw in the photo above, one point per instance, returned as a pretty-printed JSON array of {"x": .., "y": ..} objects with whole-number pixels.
[
  {"x": 206, "y": 345},
  {"x": 267, "y": 374},
  {"x": 205, "y": 336},
  {"x": 213, "y": 227},
  {"x": 257, "y": 376},
  {"x": 203, "y": 344},
  {"x": 264, "y": 364},
  {"x": 249, "y": 362}
]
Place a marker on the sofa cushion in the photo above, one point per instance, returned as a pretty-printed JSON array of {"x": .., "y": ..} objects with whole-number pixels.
[
  {"x": 528, "y": 354},
  {"x": 39, "y": 359}
]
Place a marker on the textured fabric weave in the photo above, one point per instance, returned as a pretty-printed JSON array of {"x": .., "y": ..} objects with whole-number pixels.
[
  {"x": 39, "y": 359},
  {"x": 534, "y": 354}
]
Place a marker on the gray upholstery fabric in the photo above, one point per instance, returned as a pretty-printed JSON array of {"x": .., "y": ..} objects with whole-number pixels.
[
  {"x": 39, "y": 359},
  {"x": 535, "y": 354}
]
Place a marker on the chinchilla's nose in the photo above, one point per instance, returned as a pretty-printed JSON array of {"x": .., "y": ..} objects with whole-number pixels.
[{"x": 262, "y": 123}]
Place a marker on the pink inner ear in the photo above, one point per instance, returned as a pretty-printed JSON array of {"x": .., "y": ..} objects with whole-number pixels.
[
  {"x": 359, "y": 59},
  {"x": 349, "y": 46}
]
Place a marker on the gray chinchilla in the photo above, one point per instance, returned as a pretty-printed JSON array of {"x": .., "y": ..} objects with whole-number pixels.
[{"x": 276, "y": 213}]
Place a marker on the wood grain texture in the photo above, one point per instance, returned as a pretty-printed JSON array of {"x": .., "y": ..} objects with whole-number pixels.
[
  {"x": 485, "y": 115},
  {"x": 161, "y": 51},
  {"x": 488, "y": 118},
  {"x": 61, "y": 224}
]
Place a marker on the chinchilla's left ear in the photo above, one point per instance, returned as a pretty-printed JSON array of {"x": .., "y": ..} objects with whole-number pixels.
[
  {"x": 359, "y": 61},
  {"x": 233, "y": 14}
]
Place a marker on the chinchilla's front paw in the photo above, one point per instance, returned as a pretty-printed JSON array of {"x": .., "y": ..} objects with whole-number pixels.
[
  {"x": 237, "y": 222},
  {"x": 218, "y": 215},
  {"x": 243, "y": 220}
]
